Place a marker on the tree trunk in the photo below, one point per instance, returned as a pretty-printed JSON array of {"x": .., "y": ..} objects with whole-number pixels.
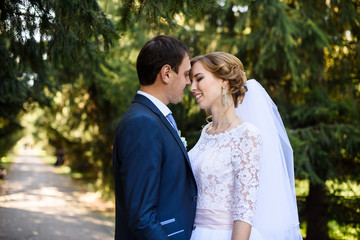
[{"x": 317, "y": 207}]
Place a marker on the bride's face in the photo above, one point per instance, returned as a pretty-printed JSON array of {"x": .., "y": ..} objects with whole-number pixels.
[{"x": 205, "y": 87}]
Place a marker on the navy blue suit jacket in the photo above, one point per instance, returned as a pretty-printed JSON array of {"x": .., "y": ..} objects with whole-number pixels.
[{"x": 154, "y": 185}]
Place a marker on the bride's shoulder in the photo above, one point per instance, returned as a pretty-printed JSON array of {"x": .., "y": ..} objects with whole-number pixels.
[
  {"x": 206, "y": 127},
  {"x": 249, "y": 129}
]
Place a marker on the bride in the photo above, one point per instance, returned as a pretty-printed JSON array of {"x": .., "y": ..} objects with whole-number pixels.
[{"x": 243, "y": 161}]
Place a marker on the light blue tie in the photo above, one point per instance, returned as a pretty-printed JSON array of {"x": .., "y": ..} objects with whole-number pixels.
[{"x": 172, "y": 121}]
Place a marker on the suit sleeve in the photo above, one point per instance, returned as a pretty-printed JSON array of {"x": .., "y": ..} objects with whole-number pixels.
[{"x": 140, "y": 152}]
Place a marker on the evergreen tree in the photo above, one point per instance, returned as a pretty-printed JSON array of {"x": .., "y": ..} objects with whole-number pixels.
[
  {"x": 36, "y": 36},
  {"x": 305, "y": 53},
  {"x": 103, "y": 92}
]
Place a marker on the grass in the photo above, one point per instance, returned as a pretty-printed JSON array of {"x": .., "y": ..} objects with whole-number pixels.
[{"x": 7, "y": 160}]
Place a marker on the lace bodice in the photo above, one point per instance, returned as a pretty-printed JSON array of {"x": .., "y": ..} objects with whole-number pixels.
[{"x": 226, "y": 169}]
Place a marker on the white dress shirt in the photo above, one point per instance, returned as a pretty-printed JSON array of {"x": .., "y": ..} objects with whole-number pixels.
[{"x": 159, "y": 104}]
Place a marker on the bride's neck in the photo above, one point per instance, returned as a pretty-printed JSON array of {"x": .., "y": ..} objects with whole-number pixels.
[{"x": 224, "y": 118}]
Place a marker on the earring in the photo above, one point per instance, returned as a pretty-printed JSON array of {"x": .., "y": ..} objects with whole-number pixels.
[{"x": 223, "y": 95}]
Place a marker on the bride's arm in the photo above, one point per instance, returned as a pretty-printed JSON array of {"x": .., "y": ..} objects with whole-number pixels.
[
  {"x": 241, "y": 231},
  {"x": 246, "y": 163}
]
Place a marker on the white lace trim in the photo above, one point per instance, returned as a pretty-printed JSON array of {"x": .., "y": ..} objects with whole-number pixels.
[{"x": 226, "y": 168}]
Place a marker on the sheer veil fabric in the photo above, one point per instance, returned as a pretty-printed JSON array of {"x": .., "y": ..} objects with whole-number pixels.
[{"x": 276, "y": 215}]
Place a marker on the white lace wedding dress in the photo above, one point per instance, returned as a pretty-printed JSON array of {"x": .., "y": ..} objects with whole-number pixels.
[
  {"x": 237, "y": 182},
  {"x": 226, "y": 169},
  {"x": 247, "y": 174}
]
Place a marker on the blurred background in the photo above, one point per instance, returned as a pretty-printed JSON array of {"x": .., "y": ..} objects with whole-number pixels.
[{"x": 67, "y": 74}]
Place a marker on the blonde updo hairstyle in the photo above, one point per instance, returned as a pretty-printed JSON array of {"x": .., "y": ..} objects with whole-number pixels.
[{"x": 227, "y": 67}]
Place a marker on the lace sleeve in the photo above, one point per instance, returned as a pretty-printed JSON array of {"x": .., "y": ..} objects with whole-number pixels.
[{"x": 245, "y": 159}]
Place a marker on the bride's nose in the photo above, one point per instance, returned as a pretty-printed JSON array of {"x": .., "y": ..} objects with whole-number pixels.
[{"x": 192, "y": 86}]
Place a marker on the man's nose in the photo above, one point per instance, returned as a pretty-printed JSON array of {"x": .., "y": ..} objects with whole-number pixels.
[{"x": 192, "y": 86}]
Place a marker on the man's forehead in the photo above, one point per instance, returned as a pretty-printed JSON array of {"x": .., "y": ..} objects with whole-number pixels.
[{"x": 185, "y": 64}]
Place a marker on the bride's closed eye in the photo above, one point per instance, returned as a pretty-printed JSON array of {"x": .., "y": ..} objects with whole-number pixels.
[{"x": 196, "y": 79}]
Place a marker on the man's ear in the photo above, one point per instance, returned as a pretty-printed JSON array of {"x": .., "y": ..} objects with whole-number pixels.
[{"x": 165, "y": 73}]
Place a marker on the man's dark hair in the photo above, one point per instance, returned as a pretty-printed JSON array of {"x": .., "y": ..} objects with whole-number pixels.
[{"x": 156, "y": 53}]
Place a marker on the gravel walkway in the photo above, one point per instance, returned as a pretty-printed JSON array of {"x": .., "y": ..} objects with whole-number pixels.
[{"x": 37, "y": 203}]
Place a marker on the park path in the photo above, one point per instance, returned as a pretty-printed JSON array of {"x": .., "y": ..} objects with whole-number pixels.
[{"x": 36, "y": 203}]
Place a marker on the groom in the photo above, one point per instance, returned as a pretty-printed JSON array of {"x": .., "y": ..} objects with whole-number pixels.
[{"x": 154, "y": 186}]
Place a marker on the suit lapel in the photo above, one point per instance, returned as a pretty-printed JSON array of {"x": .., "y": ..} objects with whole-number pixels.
[{"x": 145, "y": 101}]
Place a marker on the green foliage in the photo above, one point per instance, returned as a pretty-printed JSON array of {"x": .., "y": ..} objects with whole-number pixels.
[
  {"x": 38, "y": 35},
  {"x": 160, "y": 14},
  {"x": 10, "y": 133},
  {"x": 305, "y": 53},
  {"x": 320, "y": 108},
  {"x": 96, "y": 100}
]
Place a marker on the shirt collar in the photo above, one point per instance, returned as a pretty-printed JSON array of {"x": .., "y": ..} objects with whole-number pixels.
[{"x": 159, "y": 104}]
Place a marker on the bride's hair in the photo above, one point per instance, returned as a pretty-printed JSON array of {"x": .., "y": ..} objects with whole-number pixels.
[{"x": 227, "y": 67}]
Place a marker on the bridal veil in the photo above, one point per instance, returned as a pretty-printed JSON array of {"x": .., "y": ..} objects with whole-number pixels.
[{"x": 276, "y": 215}]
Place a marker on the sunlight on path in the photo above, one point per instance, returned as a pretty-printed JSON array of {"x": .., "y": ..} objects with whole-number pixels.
[{"x": 37, "y": 203}]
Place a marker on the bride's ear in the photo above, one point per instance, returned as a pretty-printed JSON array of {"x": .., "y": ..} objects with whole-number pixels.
[
  {"x": 225, "y": 83},
  {"x": 165, "y": 73}
]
